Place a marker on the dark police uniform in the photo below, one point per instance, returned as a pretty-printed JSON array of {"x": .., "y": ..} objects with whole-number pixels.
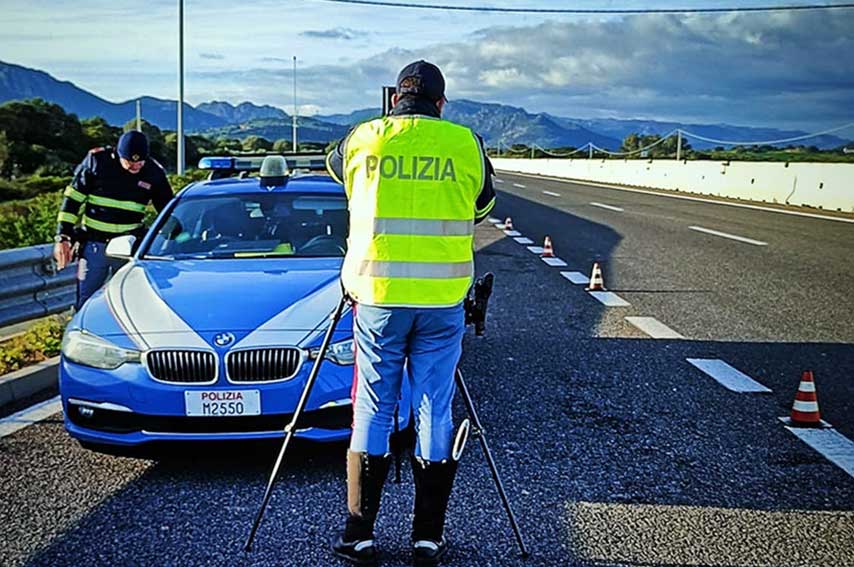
[{"x": 107, "y": 201}]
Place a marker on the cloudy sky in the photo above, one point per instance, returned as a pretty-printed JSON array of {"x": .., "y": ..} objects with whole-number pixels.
[{"x": 783, "y": 69}]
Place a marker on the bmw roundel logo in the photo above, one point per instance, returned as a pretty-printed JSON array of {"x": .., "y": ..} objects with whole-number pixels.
[{"x": 223, "y": 339}]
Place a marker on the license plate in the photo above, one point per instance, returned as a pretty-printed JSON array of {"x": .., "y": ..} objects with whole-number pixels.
[{"x": 222, "y": 403}]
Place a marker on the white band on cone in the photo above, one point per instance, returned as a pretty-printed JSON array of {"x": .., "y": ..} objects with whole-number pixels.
[{"x": 805, "y": 406}]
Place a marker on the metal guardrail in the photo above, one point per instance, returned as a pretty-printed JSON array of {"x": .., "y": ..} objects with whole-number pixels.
[{"x": 29, "y": 286}]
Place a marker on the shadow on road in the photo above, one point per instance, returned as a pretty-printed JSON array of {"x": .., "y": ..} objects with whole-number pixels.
[{"x": 608, "y": 447}]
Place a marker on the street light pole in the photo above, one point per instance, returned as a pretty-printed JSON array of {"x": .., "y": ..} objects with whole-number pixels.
[
  {"x": 180, "y": 87},
  {"x": 295, "y": 106}
]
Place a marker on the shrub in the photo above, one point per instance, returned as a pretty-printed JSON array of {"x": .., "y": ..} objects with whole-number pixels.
[
  {"x": 40, "y": 342},
  {"x": 30, "y": 222}
]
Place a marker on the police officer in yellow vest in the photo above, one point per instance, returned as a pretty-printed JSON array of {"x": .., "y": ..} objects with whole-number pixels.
[{"x": 416, "y": 186}]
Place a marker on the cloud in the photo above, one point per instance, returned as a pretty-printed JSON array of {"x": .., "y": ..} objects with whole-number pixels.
[
  {"x": 346, "y": 34},
  {"x": 781, "y": 69},
  {"x": 213, "y": 56}
]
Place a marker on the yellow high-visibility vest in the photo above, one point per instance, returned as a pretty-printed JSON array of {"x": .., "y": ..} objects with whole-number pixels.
[{"x": 412, "y": 183}]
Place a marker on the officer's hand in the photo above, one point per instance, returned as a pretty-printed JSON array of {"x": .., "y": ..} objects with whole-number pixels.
[{"x": 62, "y": 254}]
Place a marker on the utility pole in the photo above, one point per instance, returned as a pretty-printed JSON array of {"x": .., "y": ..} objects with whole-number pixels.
[
  {"x": 295, "y": 107},
  {"x": 180, "y": 87},
  {"x": 590, "y": 148},
  {"x": 678, "y": 145},
  {"x": 138, "y": 115}
]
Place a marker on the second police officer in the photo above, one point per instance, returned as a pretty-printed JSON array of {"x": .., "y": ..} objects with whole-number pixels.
[
  {"x": 107, "y": 198},
  {"x": 416, "y": 185}
]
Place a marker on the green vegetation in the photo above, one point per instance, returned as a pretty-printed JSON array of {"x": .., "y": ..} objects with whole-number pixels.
[{"x": 40, "y": 342}]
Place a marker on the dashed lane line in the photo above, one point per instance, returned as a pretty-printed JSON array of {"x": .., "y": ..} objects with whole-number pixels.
[
  {"x": 609, "y": 207},
  {"x": 551, "y": 193},
  {"x": 498, "y": 180},
  {"x": 654, "y": 328},
  {"x": 553, "y": 261},
  {"x": 833, "y": 446},
  {"x": 523, "y": 240},
  {"x": 576, "y": 277},
  {"x": 609, "y": 299},
  {"x": 727, "y": 235},
  {"x": 493, "y": 220},
  {"x": 729, "y": 377},
  {"x": 29, "y": 416},
  {"x": 519, "y": 185},
  {"x": 512, "y": 233},
  {"x": 535, "y": 250}
]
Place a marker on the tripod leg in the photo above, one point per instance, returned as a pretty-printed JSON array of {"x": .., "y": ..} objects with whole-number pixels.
[
  {"x": 291, "y": 427},
  {"x": 398, "y": 449},
  {"x": 481, "y": 435}
]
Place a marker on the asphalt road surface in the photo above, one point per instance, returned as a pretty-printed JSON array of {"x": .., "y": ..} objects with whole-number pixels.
[{"x": 615, "y": 450}]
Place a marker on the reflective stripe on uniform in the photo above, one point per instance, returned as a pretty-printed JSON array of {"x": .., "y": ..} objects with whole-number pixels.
[
  {"x": 108, "y": 227},
  {"x": 486, "y": 209},
  {"x": 116, "y": 204},
  {"x": 416, "y": 227},
  {"x": 74, "y": 194},
  {"x": 426, "y": 270},
  {"x": 66, "y": 217}
]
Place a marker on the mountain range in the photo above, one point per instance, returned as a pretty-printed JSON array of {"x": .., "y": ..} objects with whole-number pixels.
[{"x": 496, "y": 123}]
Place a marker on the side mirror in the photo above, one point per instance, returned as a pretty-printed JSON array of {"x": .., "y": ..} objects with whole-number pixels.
[{"x": 121, "y": 247}]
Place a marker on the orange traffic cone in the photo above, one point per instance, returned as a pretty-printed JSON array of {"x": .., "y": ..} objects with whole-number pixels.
[
  {"x": 805, "y": 409},
  {"x": 508, "y": 224},
  {"x": 548, "y": 251},
  {"x": 597, "y": 282}
]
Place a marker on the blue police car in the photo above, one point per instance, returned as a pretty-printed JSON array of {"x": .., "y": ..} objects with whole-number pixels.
[{"x": 208, "y": 332}]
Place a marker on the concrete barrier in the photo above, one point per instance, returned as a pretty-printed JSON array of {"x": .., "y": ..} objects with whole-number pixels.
[
  {"x": 23, "y": 383},
  {"x": 818, "y": 185}
]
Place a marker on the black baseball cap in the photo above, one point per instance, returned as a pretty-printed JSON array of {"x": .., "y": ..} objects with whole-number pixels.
[
  {"x": 133, "y": 146},
  {"x": 425, "y": 80}
]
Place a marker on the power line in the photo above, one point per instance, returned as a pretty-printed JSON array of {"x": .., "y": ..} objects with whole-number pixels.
[{"x": 770, "y": 8}]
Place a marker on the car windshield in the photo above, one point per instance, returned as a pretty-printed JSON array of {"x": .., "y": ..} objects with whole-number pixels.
[{"x": 253, "y": 226}]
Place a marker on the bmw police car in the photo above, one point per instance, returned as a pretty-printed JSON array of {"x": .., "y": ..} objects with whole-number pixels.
[{"x": 210, "y": 329}]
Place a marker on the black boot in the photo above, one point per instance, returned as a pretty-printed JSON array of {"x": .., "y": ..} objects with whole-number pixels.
[
  {"x": 366, "y": 475},
  {"x": 433, "y": 482}
]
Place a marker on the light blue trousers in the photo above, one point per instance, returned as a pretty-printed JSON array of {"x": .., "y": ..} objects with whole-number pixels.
[{"x": 394, "y": 344}]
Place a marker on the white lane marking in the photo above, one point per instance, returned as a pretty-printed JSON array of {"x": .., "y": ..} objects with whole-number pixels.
[
  {"x": 499, "y": 226},
  {"x": 834, "y": 446},
  {"x": 554, "y": 261},
  {"x": 535, "y": 250},
  {"x": 523, "y": 240},
  {"x": 727, "y": 235},
  {"x": 519, "y": 185},
  {"x": 609, "y": 299},
  {"x": 684, "y": 197},
  {"x": 576, "y": 277},
  {"x": 551, "y": 193},
  {"x": 654, "y": 328},
  {"x": 499, "y": 180},
  {"x": 729, "y": 377},
  {"x": 29, "y": 416},
  {"x": 493, "y": 220},
  {"x": 609, "y": 207},
  {"x": 512, "y": 233}
]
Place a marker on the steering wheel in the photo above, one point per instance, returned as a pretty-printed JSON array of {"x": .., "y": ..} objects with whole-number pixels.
[{"x": 323, "y": 241}]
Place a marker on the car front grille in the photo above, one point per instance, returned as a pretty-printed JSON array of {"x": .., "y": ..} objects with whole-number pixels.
[
  {"x": 183, "y": 366},
  {"x": 263, "y": 365}
]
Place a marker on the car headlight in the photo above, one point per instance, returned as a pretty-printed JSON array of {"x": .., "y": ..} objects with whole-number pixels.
[
  {"x": 340, "y": 353},
  {"x": 91, "y": 350}
]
